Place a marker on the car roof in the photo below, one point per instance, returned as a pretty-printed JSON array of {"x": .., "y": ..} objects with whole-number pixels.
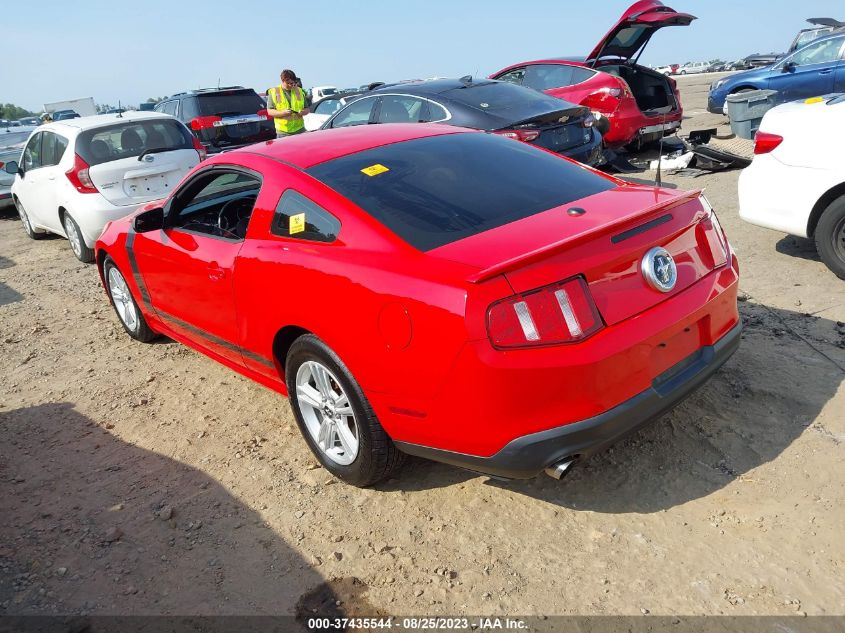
[
  {"x": 312, "y": 148},
  {"x": 430, "y": 86},
  {"x": 98, "y": 120},
  {"x": 209, "y": 91}
]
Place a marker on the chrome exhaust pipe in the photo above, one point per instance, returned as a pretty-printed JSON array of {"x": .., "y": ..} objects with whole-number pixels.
[{"x": 559, "y": 469}]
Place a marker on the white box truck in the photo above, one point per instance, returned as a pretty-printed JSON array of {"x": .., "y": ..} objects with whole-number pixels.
[{"x": 83, "y": 107}]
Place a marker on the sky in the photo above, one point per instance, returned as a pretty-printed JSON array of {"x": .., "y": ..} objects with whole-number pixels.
[{"x": 129, "y": 50}]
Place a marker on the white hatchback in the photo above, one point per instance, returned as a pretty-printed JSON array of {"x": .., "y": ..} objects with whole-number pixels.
[
  {"x": 796, "y": 183},
  {"x": 78, "y": 174}
]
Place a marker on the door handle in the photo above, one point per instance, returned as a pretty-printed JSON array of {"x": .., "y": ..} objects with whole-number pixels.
[
  {"x": 826, "y": 71},
  {"x": 215, "y": 272}
]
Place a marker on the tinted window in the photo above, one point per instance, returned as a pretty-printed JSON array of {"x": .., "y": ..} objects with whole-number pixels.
[
  {"x": 124, "y": 140},
  {"x": 330, "y": 106},
  {"x": 52, "y": 148},
  {"x": 548, "y": 76},
  {"x": 231, "y": 104},
  {"x": 356, "y": 113},
  {"x": 298, "y": 217},
  {"x": 819, "y": 53},
  {"x": 434, "y": 191},
  {"x": 515, "y": 76},
  {"x": 403, "y": 109},
  {"x": 32, "y": 153},
  {"x": 505, "y": 99}
]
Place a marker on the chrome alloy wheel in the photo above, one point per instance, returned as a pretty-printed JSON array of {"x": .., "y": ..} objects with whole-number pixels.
[
  {"x": 123, "y": 303},
  {"x": 24, "y": 218},
  {"x": 73, "y": 236},
  {"x": 327, "y": 413}
]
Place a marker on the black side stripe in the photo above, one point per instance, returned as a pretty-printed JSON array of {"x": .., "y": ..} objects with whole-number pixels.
[
  {"x": 217, "y": 340},
  {"x": 136, "y": 274},
  {"x": 145, "y": 297},
  {"x": 642, "y": 228}
]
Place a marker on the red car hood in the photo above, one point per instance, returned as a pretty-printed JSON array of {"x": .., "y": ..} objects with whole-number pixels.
[{"x": 635, "y": 28}]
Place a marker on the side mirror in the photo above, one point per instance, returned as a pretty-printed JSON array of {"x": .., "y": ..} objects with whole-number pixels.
[
  {"x": 150, "y": 220},
  {"x": 11, "y": 167},
  {"x": 788, "y": 67}
]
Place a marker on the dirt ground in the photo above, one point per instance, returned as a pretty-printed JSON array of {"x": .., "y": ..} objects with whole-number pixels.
[{"x": 147, "y": 479}]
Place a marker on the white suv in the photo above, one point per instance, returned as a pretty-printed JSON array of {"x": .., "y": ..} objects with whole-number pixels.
[
  {"x": 693, "y": 67},
  {"x": 76, "y": 175}
]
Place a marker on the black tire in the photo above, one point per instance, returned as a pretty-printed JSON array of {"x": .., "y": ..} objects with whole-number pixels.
[
  {"x": 27, "y": 225},
  {"x": 77, "y": 242},
  {"x": 137, "y": 328},
  {"x": 830, "y": 237},
  {"x": 377, "y": 456}
]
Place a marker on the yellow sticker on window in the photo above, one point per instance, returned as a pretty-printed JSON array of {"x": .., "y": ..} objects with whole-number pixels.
[
  {"x": 297, "y": 223},
  {"x": 374, "y": 170},
  {"x": 814, "y": 100}
]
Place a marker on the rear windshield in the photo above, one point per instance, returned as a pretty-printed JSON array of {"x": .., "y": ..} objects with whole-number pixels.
[
  {"x": 231, "y": 104},
  {"x": 438, "y": 190},
  {"x": 506, "y": 100},
  {"x": 124, "y": 140}
]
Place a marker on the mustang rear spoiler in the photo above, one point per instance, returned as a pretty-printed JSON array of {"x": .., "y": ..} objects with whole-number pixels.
[{"x": 541, "y": 253}]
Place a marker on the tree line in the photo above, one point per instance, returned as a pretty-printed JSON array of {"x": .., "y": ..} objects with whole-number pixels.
[{"x": 11, "y": 112}]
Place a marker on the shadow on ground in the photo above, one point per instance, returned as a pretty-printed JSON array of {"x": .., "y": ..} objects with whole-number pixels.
[
  {"x": 745, "y": 416},
  {"x": 798, "y": 247},
  {"x": 93, "y": 525}
]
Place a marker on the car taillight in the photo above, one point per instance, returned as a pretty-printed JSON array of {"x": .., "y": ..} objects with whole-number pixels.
[
  {"x": 526, "y": 136},
  {"x": 563, "y": 312},
  {"x": 204, "y": 122},
  {"x": 588, "y": 121},
  {"x": 200, "y": 148},
  {"x": 263, "y": 114},
  {"x": 764, "y": 142},
  {"x": 79, "y": 177}
]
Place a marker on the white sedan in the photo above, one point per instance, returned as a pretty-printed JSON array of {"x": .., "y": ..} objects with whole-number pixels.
[
  {"x": 78, "y": 174},
  {"x": 796, "y": 183},
  {"x": 322, "y": 111}
]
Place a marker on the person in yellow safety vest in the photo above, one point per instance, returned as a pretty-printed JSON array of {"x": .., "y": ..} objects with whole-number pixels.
[{"x": 286, "y": 105}]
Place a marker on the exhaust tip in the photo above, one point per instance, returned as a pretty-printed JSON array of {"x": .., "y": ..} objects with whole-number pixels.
[{"x": 559, "y": 469}]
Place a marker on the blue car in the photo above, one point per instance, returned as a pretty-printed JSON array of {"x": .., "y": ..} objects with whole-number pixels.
[{"x": 816, "y": 69}]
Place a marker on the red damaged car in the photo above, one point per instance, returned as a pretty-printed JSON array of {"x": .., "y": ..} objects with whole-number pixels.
[
  {"x": 641, "y": 104},
  {"x": 435, "y": 291}
]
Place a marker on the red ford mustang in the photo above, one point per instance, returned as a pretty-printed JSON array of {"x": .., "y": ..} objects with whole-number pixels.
[
  {"x": 434, "y": 291},
  {"x": 641, "y": 104}
]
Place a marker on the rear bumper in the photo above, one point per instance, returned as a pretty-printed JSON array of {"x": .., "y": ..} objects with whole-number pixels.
[
  {"x": 526, "y": 456},
  {"x": 590, "y": 153}
]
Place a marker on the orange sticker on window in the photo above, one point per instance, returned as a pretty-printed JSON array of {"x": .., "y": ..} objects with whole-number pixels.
[
  {"x": 296, "y": 223},
  {"x": 374, "y": 170}
]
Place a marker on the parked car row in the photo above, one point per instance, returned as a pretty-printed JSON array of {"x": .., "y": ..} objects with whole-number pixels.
[{"x": 816, "y": 69}]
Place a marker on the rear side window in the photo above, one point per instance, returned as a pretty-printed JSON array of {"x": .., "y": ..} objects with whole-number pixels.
[
  {"x": 438, "y": 190},
  {"x": 229, "y": 104},
  {"x": 298, "y": 217},
  {"x": 124, "y": 140},
  {"x": 52, "y": 148}
]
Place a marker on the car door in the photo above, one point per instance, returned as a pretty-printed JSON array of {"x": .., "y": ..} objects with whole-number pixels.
[
  {"x": 188, "y": 266},
  {"x": 839, "y": 75},
  {"x": 808, "y": 72},
  {"x": 53, "y": 147},
  {"x": 27, "y": 188}
]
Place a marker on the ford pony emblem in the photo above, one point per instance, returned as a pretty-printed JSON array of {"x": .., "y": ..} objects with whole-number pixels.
[{"x": 659, "y": 269}]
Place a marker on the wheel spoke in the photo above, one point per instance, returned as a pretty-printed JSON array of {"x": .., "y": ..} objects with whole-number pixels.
[
  {"x": 308, "y": 395},
  {"x": 347, "y": 440},
  {"x": 342, "y": 406},
  {"x": 325, "y": 437},
  {"x": 321, "y": 378}
]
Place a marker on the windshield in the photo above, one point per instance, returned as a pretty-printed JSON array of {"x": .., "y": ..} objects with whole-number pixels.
[{"x": 438, "y": 190}]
